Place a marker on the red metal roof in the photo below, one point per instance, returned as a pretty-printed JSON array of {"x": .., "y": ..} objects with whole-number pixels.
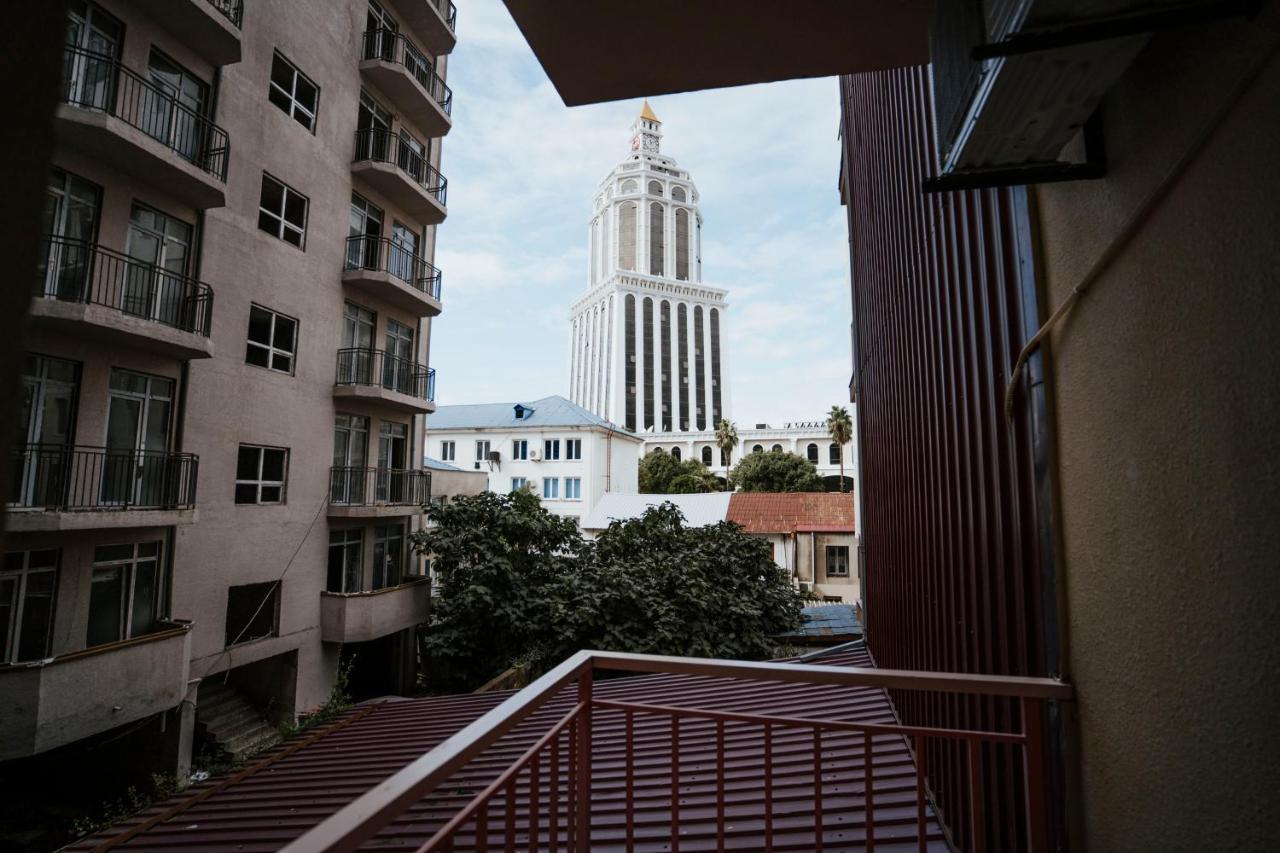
[
  {"x": 792, "y": 512},
  {"x": 316, "y": 774}
]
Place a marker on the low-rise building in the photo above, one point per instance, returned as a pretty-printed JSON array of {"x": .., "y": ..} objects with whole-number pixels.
[
  {"x": 698, "y": 509},
  {"x": 812, "y": 534}
]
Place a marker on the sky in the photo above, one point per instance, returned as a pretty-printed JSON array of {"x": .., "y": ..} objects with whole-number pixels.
[{"x": 523, "y": 170}]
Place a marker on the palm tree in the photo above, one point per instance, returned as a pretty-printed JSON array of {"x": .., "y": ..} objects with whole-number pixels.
[
  {"x": 840, "y": 427},
  {"x": 727, "y": 440}
]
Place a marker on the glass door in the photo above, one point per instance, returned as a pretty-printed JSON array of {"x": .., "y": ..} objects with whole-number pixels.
[
  {"x": 397, "y": 364},
  {"x": 404, "y": 253},
  {"x": 137, "y": 439},
  {"x": 393, "y": 442},
  {"x": 356, "y": 364},
  {"x": 350, "y": 451},
  {"x": 93, "y": 37},
  {"x": 363, "y": 233},
  {"x": 382, "y": 33},
  {"x": 49, "y": 390},
  {"x": 70, "y": 226},
  {"x": 388, "y": 555},
  {"x": 412, "y": 156},
  {"x": 373, "y": 130},
  {"x": 173, "y": 111},
  {"x": 156, "y": 288}
]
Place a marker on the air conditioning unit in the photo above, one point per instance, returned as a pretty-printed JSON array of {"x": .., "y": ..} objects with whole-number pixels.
[
  {"x": 535, "y": 455},
  {"x": 495, "y": 456},
  {"x": 805, "y": 586}
]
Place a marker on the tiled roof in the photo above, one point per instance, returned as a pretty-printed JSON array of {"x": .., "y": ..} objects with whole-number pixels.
[
  {"x": 553, "y": 411},
  {"x": 311, "y": 777},
  {"x": 698, "y": 510},
  {"x": 828, "y": 623},
  {"x": 791, "y": 512}
]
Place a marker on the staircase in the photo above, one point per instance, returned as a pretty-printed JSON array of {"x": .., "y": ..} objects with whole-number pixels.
[{"x": 231, "y": 722}]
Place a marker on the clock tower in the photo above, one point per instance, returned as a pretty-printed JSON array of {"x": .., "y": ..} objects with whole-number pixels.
[{"x": 646, "y": 131}]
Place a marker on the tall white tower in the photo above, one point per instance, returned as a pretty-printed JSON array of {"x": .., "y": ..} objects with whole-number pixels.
[{"x": 649, "y": 338}]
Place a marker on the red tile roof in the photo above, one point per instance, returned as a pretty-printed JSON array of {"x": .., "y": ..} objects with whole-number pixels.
[{"x": 792, "y": 512}]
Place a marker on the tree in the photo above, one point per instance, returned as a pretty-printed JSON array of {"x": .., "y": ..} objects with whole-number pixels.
[
  {"x": 727, "y": 440},
  {"x": 662, "y": 474},
  {"x": 776, "y": 472},
  {"x": 840, "y": 427}
]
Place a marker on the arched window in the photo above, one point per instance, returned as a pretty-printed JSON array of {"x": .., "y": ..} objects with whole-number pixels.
[
  {"x": 812, "y": 453},
  {"x": 833, "y": 454},
  {"x": 706, "y": 456},
  {"x": 682, "y": 244},
  {"x": 657, "y": 238},
  {"x": 757, "y": 449},
  {"x": 627, "y": 236},
  {"x": 629, "y": 187},
  {"x": 629, "y": 341},
  {"x": 678, "y": 194},
  {"x": 675, "y": 453},
  {"x": 777, "y": 448},
  {"x": 655, "y": 188}
]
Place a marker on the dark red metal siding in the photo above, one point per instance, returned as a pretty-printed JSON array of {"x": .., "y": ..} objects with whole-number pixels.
[{"x": 954, "y": 533}]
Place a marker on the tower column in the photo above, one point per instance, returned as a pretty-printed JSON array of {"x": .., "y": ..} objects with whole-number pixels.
[{"x": 706, "y": 362}]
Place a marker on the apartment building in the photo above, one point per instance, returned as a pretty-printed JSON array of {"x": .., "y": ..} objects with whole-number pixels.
[{"x": 222, "y": 428}]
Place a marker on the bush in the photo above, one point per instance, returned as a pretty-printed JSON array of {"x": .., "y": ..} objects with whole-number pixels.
[
  {"x": 663, "y": 474},
  {"x": 776, "y": 472}
]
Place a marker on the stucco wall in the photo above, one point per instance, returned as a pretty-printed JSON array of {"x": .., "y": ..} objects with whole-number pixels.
[{"x": 1167, "y": 412}]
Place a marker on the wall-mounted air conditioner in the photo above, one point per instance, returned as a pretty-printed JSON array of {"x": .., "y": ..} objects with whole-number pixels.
[{"x": 535, "y": 455}]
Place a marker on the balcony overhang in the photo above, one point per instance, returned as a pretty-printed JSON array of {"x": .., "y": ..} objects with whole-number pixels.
[
  {"x": 63, "y": 699},
  {"x": 362, "y": 616},
  {"x": 714, "y": 43},
  {"x": 400, "y": 189},
  {"x": 428, "y": 23},
  {"x": 112, "y": 326},
  {"x": 374, "y": 510},
  {"x": 384, "y": 399},
  {"x": 118, "y": 144},
  {"x": 394, "y": 291},
  {"x": 395, "y": 81},
  {"x": 199, "y": 25},
  {"x": 56, "y": 520}
]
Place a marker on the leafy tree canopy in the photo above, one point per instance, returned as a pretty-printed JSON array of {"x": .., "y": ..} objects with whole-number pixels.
[
  {"x": 663, "y": 474},
  {"x": 776, "y": 472}
]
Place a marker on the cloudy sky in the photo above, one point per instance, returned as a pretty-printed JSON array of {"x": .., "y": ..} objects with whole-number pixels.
[{"x": 523, "y": 169}]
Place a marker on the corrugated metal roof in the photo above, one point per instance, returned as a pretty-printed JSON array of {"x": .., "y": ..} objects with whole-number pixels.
[
  {"x": 789, "y": 512},
  {"x": 698, "y": 510},
  {"x": 439, "y": 465},
  {"x": 828, "y": 622},
  {"x": 288, "y": 792},
  {"x": 553, "y": 411}
]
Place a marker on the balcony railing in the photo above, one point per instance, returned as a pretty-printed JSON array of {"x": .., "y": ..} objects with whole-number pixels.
[
  {"x": 71, "y": 478},
  {"x": 380, "y": 254},
  {"x": 358, "y": 366},
  {"x": 393, "y": 47},
  {"x": 79, "y": 271},
  {"x": 358, "y": 486},
  {"x": 96, "y": 81},
  {"x": 448, "y": 11},
  {"x": 232, "y": 10},
  {"x": 383, "y": 146},
  {"x": 559, "y": 763}
]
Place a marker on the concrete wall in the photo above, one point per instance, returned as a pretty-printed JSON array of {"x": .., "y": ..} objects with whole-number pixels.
[
  {"x": 804, "y": 557},
  {"x": 1167, "y": 417}
]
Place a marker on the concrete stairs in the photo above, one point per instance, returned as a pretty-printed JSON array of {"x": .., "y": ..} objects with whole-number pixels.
[{"x": 231, "y": 722}]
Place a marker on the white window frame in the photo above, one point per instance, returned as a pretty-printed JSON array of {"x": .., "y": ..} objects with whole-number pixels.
[
  {"x": 518, "y": 483},
  {"x": 843, "y": 574},
  {"x": 551, "y": 448},
  {"x": 482, "y": 455},
  {"x": 573, "y": 488},
  {"x": 20, "y": 576},
  {"x": 519, "y": 449},
  {"x": 448, "y": 451},
  {"x": 259, "y": 483},
  {"x": 129, "y": 566},
  {"x": 295, "y": 106},
  {"x": 271, "y": 349},
  {"x": 278, "y": 216},
  {"x": 551, "y": 488},
  {"x": 573, "y": 448}
]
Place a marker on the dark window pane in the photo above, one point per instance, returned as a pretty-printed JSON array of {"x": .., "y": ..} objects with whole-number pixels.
[
  {"x": 282, "y": 363},
  {"x": 251, "y": 612},
  {"x": 273, "y": 465},
  {"x": 260, "y": 326},
  {"x": 111, "y": 553},
  {"x": 305, "y": 94},
  {"x": 144, "y": 600},
  {"x": 268, "y": 223},
  {"x": 294, "y": 237},
  {"x": 281, "y": 73},
  {"x": 272, "y": 194},
  {"x": 105, "y": 594},
  {"x": 280, "y": 99},
  {"x": 246, "y": 493},
  {"x": 270, "y": 495},
  {"x": 256, "y": 355},
  {"x": 295, "y": 210},
  {"x": 247, "y": 463},
  {"x": 285, "y": 329},
  {"x": 37, "y": 615}
]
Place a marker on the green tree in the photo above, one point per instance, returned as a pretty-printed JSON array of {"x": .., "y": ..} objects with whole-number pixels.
[
  {"x": 776, "y": 472},
  {"x": 662, "y": 474},
  {"x": 727, "y": 440},
  {"x": 840, "y": 428}
]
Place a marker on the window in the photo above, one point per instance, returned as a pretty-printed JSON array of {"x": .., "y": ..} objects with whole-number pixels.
[
  {"x": 573, "y": 488},
  {"x": 273, "y": 340},
  {"x": 678, "y": 194},
  {"x": 551, "y": 448},
  {"x": 447, "y": 451},
  {"x": 833, "y": 454},
  {"x": 482, "y": 451},
  {"x": 518, "y": 483},
  {"x": 777, "y": 448},
  {"x": 282, "y": 211},
  {"x": 551, "y": 488},
  {"x": 628, "y": 187},
  {"x": 573, "y": 448},
  {"x": 26, "y": 604},
  {"x": 520, "y": 449},
  {"x": 675, "y": 453},
  {"x": 260, "y": 474},
  {"x": 811, "y": 453},
  {"x": 293, "y": 92},
  {"x": 706, "y": 456},
  {"x": 655, "y": 188},
  {"x": 344, "y": 560},
  {"x": 388, "y": 555},
  {"x": 757, "y": 449},
  {"x": 837, "y": 561},
  {"x": 253, "y": 612},
  {"x": 124, "y": 592}
]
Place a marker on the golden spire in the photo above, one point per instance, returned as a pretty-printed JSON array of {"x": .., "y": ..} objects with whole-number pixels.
[{"x": 647, "y": 112}]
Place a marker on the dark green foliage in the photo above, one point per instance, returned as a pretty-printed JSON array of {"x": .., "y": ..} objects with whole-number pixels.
[
  {"x": 776, "y": 472},
  {"x": 662, "y": 474}
]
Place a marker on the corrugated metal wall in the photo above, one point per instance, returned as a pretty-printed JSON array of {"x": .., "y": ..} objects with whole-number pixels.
[{"x": 956, "y": 530}]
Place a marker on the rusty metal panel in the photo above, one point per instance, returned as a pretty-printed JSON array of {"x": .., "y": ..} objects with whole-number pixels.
[{"x": 958, "y": 559}]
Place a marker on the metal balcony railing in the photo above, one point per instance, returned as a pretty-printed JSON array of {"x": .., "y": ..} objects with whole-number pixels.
[
  {"x": 380, "y": 254},
  {"x": 67, "y": 477},
  {"x": 96, "y": 81},
  {"x": 384, "y": 146},
  {"x": 449, "y": 11},
  {"x": 357, "y": 486},
  {"x": 359, "y": 366},
  {"x": 232, "y": 10},
  {"x": 79, "y": 271},
  {"x": 393, "y": 47}
]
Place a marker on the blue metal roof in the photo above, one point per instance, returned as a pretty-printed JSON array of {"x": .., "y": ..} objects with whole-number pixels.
[
  {"x": 827, "y": 621},
  {"x": 439, "y": 465},
  {"x": 553, "y": 411}
]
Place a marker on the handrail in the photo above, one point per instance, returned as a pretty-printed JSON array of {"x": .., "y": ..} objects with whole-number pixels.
[
  {"x": 384, "y": 146},
  {"x": 232, "y": 10},
  {"x": 380, "y": 254},
  {"x": 64, "y": 477},
  {"x": 391, "y": 46},
  {"x": 372, "y": 486},
  {"x": 449, "y": 11},
  {"x": 361, "y": 366}
]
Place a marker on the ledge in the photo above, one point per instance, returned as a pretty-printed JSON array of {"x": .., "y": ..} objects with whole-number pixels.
[{"x": 113, "y": 326}]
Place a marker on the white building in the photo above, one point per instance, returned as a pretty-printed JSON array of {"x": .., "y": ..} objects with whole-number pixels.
[
  {"x": 803, "y": 438},
  {"x": 566, "y": 454}
]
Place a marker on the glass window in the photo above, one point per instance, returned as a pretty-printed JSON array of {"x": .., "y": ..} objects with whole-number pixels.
[
  {"x": 272, "y": 340},
  {"x": 518, "y": 483},
  {"x": 551, "y": 488},
  {"x": 260, "y": 474},
  {"x": 757, "y": 449},
  {"x": 777, "y": 448},
  {"x": 833, "y": 454},
  {"x": 388, "y": 555},
  {"x": 837, "y": 561},
  {"x": 551, "y": 448},
  {"x": 520, "y": 449},
  {"x": 293, "y": 92},
  {"x": 482, "y": 451},
  {"x": 706, "y": 456},
  {"x": 27, "y": 583},
  {"x": 282, "y": 211},
  {"x": 811, "y": 453},
  {"x": 447, "y": 451},
  {"x": 573, "y": 488},
  {"x": 253, "y": 612},
  {"x": 573, "y": 448},
  {"x": 124, "y": 591},
  {"x": 344, "y": 560}
]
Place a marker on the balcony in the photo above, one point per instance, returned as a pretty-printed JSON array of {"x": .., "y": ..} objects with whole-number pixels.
[
  {"x": 382, "y": 380},
  {"x": 388, "y": 164},
  {"x": 210, "y": 28},
  {"x": 62, "y": 699},
  {"x": 377, "y": 492},
  {"x": 432, "y": 21},
  {"x": 395, "y": 66},
  {"x": 63, "y": 487},
  {"x": 114, "y": 115},
  {"x": 89, "y": 290},
  {"x": 357, "y": 617},
  {"x": 387, "y": 270}
]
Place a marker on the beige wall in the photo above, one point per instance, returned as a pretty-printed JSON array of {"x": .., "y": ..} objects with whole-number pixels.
[
  {"x": 1167, "y": 412},
  {"x": 804, "y": 556}
]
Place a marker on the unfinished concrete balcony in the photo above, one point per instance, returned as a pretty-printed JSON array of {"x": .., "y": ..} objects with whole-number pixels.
[
  {"x": 89, "y": 290},
  {"x": 210, "y": 28},
  {"x": 113, "y": 114},
  {"x": 376, "y": 379},
  {"x": 357, "y": 492},
  {"x": 403, "y": 73},
  {"x": 392, "y": 272},
  {"x": 357, "y": 617},
  {"x": 61, "y": 699},
  {"x": 392, "y": 166},
  {"x": 434, "y": 22}
]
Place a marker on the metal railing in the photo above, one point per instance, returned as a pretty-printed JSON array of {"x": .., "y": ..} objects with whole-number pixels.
[
  {"x": 99, "y": 82},
  {"x": 567, "y": 745},
  {"x": 232, "y": 10},
  {"x": 359, "y": 486},
  {"x": 79, "y": 271},
  {"x": 448, "y": 11},
  {"x": 383, "y": 255},
  {"x": 69, "y": 477},
  {"x": 359, "y": 366},
  {"x": 393, "y": 47},
  {"x": 384, "y": 146}
]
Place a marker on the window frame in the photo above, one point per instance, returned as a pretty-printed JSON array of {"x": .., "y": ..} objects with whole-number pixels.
[
  {"x": 573, "y": 488},
  {"x": 551, "y": 449},
  {"x": 551, "y": 488},
  {"x": 448, "y": 450},
  {"x": 282, "y": 223},
  {"x": 273, "y": 596},
  {"x": 292, "y": 96},
  {"x": 519, "y": 449},
  {"x": 129, "y": 567},
  {"x": 843, "y": 549},
  {"x": 272, "y": 349},
  {"x": 483, "y": 455},
  {"x": 573, "y": 449},
  {"x": 11, "y": 642},
  {"x": 518, "y": 483},
  {"x": 342, "y": 539},
  {"x": 260, "y": 483}
]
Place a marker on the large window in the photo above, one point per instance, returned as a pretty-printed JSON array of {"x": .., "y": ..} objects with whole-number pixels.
[
  {"x": 388, "y": 555},
  {"x": 833, "y": 453},
  {"x": 261, "y": 474},
  {"x": 293, "y": 92},
  {"x": 448, "y": 451},
  {"x": 253, "y": 612},
  {"x": 273, "y": 340},
  {"x": 629, "y": 312},
  {"x": 573, "y": 448},
  {"x": 627, "y": 235},
  {"x": 344, "y": 560},
  {"x": 282, "y": 211},
  {"x": 573, "y": 488},
  {"x": 811, "y": 452},
  {"x": 837, "y": 561},
  {"x": 125, "y": 591},
  {"x": 646, "y": 310},
  {"x": 700, "y": 371},
  {"x": 27, "y": 582},
  {"x": 657, "y": 237},
  {"x": 706, "y": 456}
]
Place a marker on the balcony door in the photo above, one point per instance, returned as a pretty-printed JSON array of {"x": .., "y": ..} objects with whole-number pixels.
[
  {"x": 138, "y": 411},
  {"x": 373, "y": 130},
  {"x": 356, "y": 362},
  {"x": 350, "y": 458},
  {"x": 412, "y": 156},
  {"x": 93, "y": 42},
  {"x": 382, "y": 30},
  {"x": 27, "y": 583},
  {"x": 173, "y": 110},
  {"x": 49, "y": 390},
  {"x": 404, "y": 253},
  {"x": 124, "y": 594},
  {"x": 393, "y": 453},
  {"x": 398, "y": 364},
  {"x": 363, "y": 233},
  {"x": 156, "y": 287},
  {"x": 388, "y": 555},
  {"x": 71, "y": 207}
]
